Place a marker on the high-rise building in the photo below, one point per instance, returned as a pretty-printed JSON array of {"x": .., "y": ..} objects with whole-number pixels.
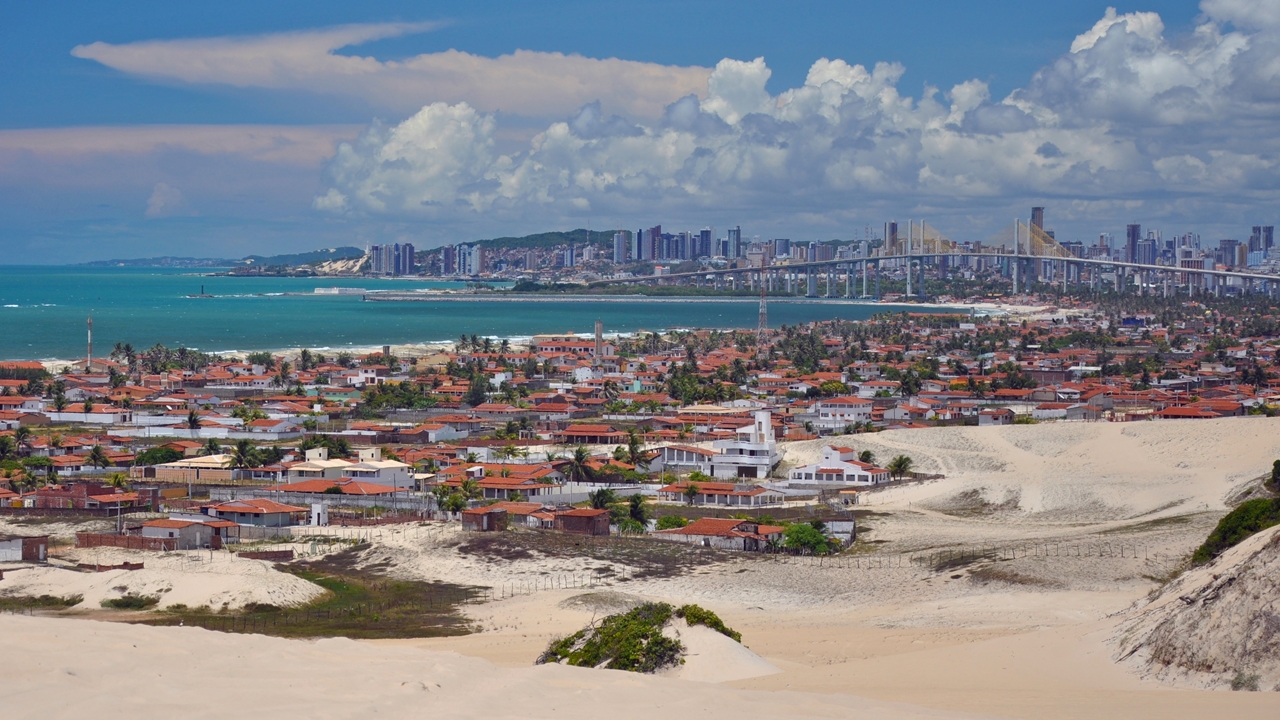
[
  {"x": 1133, "y": 235},
  {"x": 1146, "y": 252},
  {"x": 782, "y": 247},
  {"x": 471, "y": 260},
  {"x": 705, "y": 237},
  {"x": 1262, "y": 239},
  {"x": 620, "y": 246},
  {"x": 891, "y": 234},
  {"x": 448, "y": 260},
  {"x": 392, "y": 260},
  {"x": 1037, "y": 217},
  {"x": 735, "y": 242}
]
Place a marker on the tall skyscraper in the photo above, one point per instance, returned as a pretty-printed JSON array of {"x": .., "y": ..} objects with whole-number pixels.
[
  {"x": 448, "y": 260},
  {"x": 705, "y": 237},
  {"x": 782, "y": 247},
  {"x": 1037, "y": 217},
  {"x": 1133, "y": 235},
  {"x": 1262, "y": 239},
  {"x": 735, "y": 242},
  {"x": 620, "y": 243},
  {"x": 891, "y": 234}
]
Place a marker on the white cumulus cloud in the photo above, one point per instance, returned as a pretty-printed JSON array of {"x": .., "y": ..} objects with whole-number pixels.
[{"x": 1127, "y": 119}]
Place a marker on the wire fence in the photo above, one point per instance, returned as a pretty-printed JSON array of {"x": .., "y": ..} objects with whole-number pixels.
[{"x": 958, "y": 556}]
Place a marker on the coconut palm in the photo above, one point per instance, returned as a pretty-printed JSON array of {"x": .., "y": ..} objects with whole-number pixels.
[
  {"x": 578, "y": 468},
  {"x": 211, "y": 448},
  {"x": 245, "y": 455},
  {"x": 98, "y": 457},
  {"x": 899, "y": 466},
  {"x": 60, "y": 402},
  {"x": 193, "y": 420},
  {"x": 22, "y": 436},
  {"x": 118, "y": 480},
  {"x": 8, "y": 447}
]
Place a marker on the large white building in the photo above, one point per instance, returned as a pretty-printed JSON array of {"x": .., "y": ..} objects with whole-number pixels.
[
  {"x": 835, "y": 414},
  {"x": 370, "y": 467},
  {"x": 838, "y": 466},
  {"x": 751, "y": 454}
]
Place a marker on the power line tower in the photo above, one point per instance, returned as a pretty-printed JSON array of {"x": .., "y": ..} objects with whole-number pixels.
[{"x": 763, "y": 326}]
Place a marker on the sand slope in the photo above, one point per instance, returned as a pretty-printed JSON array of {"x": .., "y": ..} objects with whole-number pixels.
[
  {"x": 1072, "y": 472},
  {"x": 78, "y": 669},
  {"x": 1214, "y": 621}
]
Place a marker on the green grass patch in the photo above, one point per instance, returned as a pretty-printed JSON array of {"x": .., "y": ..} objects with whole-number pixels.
[
  {"x": 39, "y": 602},
  {"x": 360, "y": 603},
  {"x": 130, "y": 602},
  {"x": 1250, "y": 517}
]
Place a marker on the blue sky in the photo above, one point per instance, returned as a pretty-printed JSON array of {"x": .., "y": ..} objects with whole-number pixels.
[{"x": 1019, "y": 110}]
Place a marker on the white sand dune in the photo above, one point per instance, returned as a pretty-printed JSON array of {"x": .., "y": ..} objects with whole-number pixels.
[
  {"x": 1212, "y": 622},
  {"x": 80, "y": 669},
  {"x": 714, "y": 658},
  {"x": 1072, "y": 472},
  {"x": 195, "y": 579}
]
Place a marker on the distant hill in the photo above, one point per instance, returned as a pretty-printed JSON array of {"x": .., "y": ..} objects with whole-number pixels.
[
  {"x": 292, "y": 260},
  {"x": 307, "y": 258},
  {"x": 549, "y": 239}
]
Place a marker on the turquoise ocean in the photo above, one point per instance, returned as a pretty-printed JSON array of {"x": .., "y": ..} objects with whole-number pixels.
[{"x": 43, "y": 312}]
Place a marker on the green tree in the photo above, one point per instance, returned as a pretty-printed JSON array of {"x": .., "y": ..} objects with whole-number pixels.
[
  {"x": 578, "y": 468},
  {"x": 899, "y": 466},
  {"x": 157, "y": 456},
  {"x": 98, "y": 457},
  {"x": 638, "y": 509},
  {"x": 455, "y": 502},
  {"x": 118, "y": 480},
  {"x": 193, "y": 420},
  {"x": 690, "y": 492},
  {"x": 211, "y": 447},
  {"x": 476, "y": 394},
  {"x": 671, "y": 522},
  {"x": 244, "y": 455},
  {"x": 8, "y": 447},
  {"x": 867, "y": 456},
  {"x": 88, "y": 405},
  {"x": 601, "y": 499},
  {"x": 1275, "y": 474},
  {"x": 471, "y": 489},
  {"x": 804, "y": 537}
]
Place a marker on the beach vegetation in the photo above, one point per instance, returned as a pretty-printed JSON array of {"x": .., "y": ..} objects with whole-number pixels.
[
  {"x": 1250, "y": 517},
  {"x": 805, "y": 538},
  {"x": 129, "y": 601},
  {"x": 900, "y": 465}
]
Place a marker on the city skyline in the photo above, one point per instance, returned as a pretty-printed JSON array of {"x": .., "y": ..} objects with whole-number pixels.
[{"x": 1161, "y": 118}]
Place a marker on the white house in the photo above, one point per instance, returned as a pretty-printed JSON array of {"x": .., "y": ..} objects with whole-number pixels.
[
  {"x": 369, "y": 467},
  {"x": 839, "y": 466},
  {"x": 835, "y": 414},
  {"x": 681, "y": 459},
  {"x": 751, "y": 455}
]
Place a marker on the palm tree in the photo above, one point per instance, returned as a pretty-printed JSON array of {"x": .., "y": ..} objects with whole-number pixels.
[
  {"x": 899, "y": 466},
  {"x": 471, "y": 489},
  {"x": 22, "y": 436},
  {"x": 690, "y": 492},
  {"x": 88, "y": 406},
  {"x": 98, "y": 457},
  {"x": 118, "y": 480},
  {"x": 601, "y": 499},
  {"x": 244, "y": 455},
  {"x": 211, "y": 448},
  {"x": 578, "y": 468},
  {"x": 8, "y": 447},
  {"x": 193, "y": 420},
  {"x": 59, "y": 402},
  {"x": 867, "y": 456}
]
